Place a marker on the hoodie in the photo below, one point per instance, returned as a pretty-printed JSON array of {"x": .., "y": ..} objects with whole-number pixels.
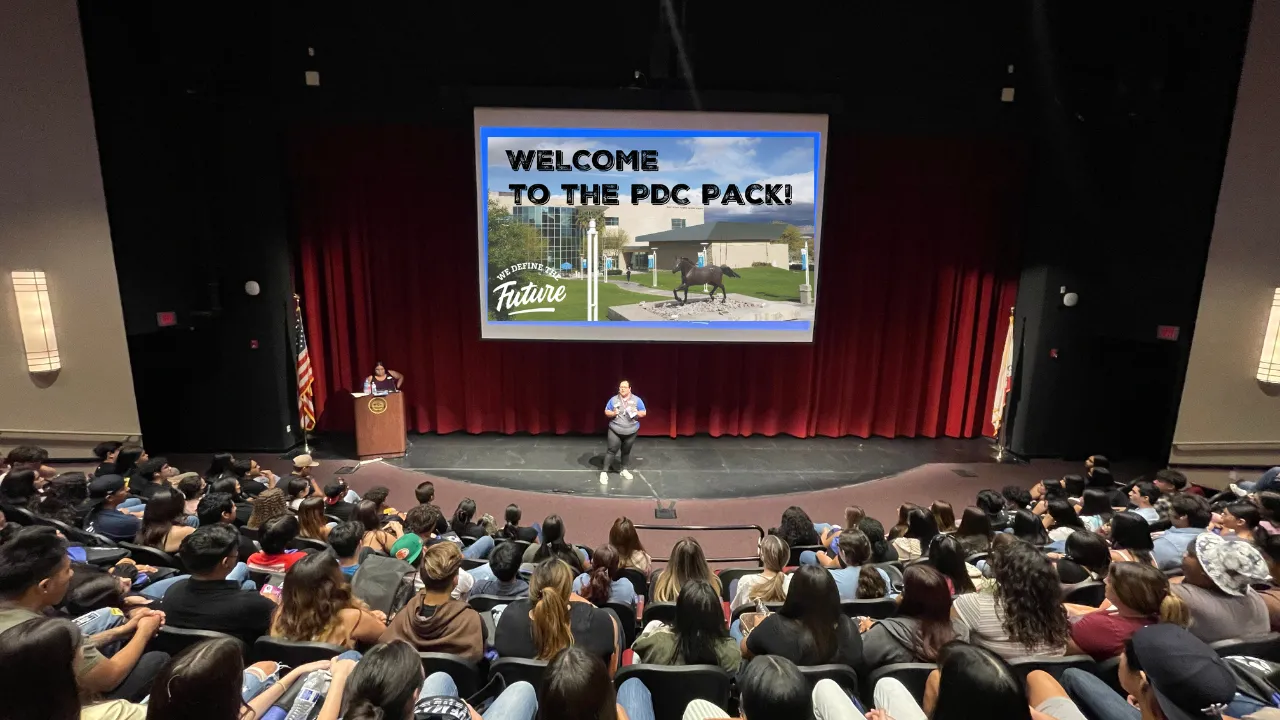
[{"x": 454, "y": 628}]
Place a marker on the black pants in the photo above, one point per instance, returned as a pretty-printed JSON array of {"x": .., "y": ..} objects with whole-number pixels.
[
  {"x": 616, "y": 442},
  {"x": 137, "y": 684}
]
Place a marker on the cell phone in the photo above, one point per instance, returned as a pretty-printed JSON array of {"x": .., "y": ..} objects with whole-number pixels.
[{"x": 271, "y": 591}]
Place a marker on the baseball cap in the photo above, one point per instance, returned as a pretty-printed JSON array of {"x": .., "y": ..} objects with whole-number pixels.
[
  {"x": 1232, "y": 565},
  {"x": 407, "y": 548},
  {"x": 105, "y": 485},
  {"x": 302, "y": 461},
  {"x": 1189, "y": 679},
  {"x": 441, "y": 707}
]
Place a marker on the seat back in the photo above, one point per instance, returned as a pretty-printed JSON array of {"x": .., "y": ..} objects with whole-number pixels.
[
  {"x": 465, "y": 673},
  {"x": 75, "y": 534},
  {"x": 674, "y": 686},
  {"x": 877, "y": 608},
  {"x": 19, "y": 515},
  {"x": 842, "y": 675},
  {"x": 1266, "y": 647},
  {"x": 666, "y": 612},
  {"x": 485, "y": 603},
  {"x": 638, "y": 581},
  {"x": 796, "y": 550},
  {"x": 1089, "y": 592},
  {"x": 472, "y": 564},
  {"x": 514, "y": 670},
  {"x": 728, "y": 575},
  {"x": 586, "y": 550},
  {"x": 1055, "y": 666},
  {"x": 913, "y": 677},
  {"x": 626, "y": 621},
  {"x": 301, "y": 543},
  {"x": 294, "y": 652},
  {"x": 893, "y": 570},
  {"x": 751, "y": 607},
  {"x": 248, "y": 532},
  {"x": 467, "y": 540},
  {"x": 144, "y": 555},
  {"x": 174, "y": 640},
  {"x": 974, "y": 558}
]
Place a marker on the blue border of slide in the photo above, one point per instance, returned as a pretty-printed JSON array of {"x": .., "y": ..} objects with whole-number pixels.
[{"x": 487, "y": 132}]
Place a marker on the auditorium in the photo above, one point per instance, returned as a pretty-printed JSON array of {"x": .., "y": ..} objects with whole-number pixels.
[{"x": 346, "y": 373}]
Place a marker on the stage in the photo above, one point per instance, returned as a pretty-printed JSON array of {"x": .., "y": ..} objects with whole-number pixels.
[{"x": 698, "y": 467}]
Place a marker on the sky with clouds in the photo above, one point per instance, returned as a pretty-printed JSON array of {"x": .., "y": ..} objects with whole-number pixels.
[{"x": 692, "y": 160}]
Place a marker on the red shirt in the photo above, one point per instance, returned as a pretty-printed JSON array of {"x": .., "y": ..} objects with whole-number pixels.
[
  {"x": 275, "y": 563},
  {"x": 1103, "y": 634}
]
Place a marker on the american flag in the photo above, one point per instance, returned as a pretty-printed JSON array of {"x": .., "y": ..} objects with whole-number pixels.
[{"x": 306, "y": 401}]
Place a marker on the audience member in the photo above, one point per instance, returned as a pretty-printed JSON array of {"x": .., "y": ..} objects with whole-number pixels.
[
  {"x": 900, "y": 529},
  {"x": 881, "y": 550},
  {"x": 991, "y": 502},
  {"x": 1139, "y": 596},
  {"x": 810, "y": 629},
  {"x": 1143, "y": 496},
  {"x": 213, "y": 598},
  {"x": 855, "y": 553},
  {"x": 1061, "y": 520},
  {"x": 298, "y": 489},
  {"x": 504, "y": 573},
  {"x": 218, "y": 508},
  {"x": 192, "y": 487},
  {"x": 221, "y": 466},
  {"x": 944, "y": 515},
  {"x": 346, "y": 540},
  {"x": 1269, "y": 546},
  {"x": 624, "y": 539},
  {"x": 687, "y": 563},
  {"x": 921, "y": 626},
  {"x": 312, "y": 522},
  {"x": 1169, "y": 482},
  {"x": 1130, "y": 538},
  {"x": 433, "y": 621},
  {"x": 512, "y": 530},
  {"x": 1024, "y": 614},
  {"x": 1029, "y": 528},
  {"x": 796, "y": 528},
  {"x": 1087, "y": 558},
  {"x": 1217, "y": 574},
  {"x": 30, "y": 457},
  {"x": 463, "y": 521},
  {"x": 425, "y": 492},
  {"x": 377, "y": 536},
  {"x": 773, "y": 687},
  {"x": 552, "y": 618},
  {"x": 106, "y": 494},
  {"x": 604, "y": 583},
  {"x": 974, "y": 532},
  {"x": 378, "y": 496},
  {"x": 553, "y": 545},
  {"x": 276, "y": 556},
  {"x": 152, "y": 475},
  {"x": 771, "y": 583},
  {"x": 698, "y": 637},
  {"x": 335, "y": 502},
  {"x": 65, "y": 499},
  {"x": 1237, "y": 521},
  {"x": 1095, "y": 509},
  {"x": 946, "y": 556},
  {"x": 244, "y": 506},
  {"x": 576, "y": 686},
  {"x": 35, "y": 573},
  {"x": 19, "y": 489},
  {"x": 267, "y": 507},
  {"x": 316, "y": 605},
  {"x": 128, "y": 458},
  {"x": 164, "y": 526},
  {"x": 253, "y": 479},
  {"x": 409, "y": 549},
  {"x": 106, "y": 453},
  {"x": 921, "y": 529},
  {"x": 1190, "y": 515}
]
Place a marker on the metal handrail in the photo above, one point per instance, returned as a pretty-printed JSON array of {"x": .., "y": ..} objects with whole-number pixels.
[{"x": 704, "y": 528}]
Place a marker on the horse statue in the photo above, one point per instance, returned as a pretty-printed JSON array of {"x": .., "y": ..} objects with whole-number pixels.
[{"x": 691, "y": 274}]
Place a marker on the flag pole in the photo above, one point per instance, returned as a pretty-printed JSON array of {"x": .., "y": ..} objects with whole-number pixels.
[
  {"x": 302, "y": 418},
  {"x": 1009, "y": 371}
]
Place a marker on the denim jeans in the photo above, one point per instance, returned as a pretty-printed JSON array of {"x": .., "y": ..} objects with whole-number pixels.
[
  {"x": 479, "y": 549},
  {"x": 635, "y": 699},
  {"x": 1095, "y": 698},
  {"x": 735, "y": 630},
  {"x": 132, "y": 503},
  {"x": 1269, "y": 481},
  {"x": 518, "y": 702},
  {"x": 484, "y": 572},
  {"x": 253, "y": 682}
]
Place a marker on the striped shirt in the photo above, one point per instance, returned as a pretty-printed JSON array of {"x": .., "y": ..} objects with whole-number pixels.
[{"x": 980, "y": 612}]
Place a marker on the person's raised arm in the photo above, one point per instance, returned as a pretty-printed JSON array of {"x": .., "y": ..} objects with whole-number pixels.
[
  {"x": 110, "y": 672},
  {"x": 265, "y": 699},
  {"x": 608, "y": 409},
  {"x": 399, "y": 377}
]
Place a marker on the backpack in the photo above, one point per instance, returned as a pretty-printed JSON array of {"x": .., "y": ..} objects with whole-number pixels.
[{"x": 384, "y": 583}]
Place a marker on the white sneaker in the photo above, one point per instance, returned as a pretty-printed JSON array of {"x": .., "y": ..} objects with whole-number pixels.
[
  {"x": 604, "y": 478},
  {"x": 625, "y": 473},
  {"x": 1241, "y": 492}
]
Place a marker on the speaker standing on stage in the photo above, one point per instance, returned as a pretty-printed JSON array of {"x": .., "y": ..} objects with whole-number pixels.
[
  {"x": 382, "y": 380},
  {"x": 624, "y": 411}
]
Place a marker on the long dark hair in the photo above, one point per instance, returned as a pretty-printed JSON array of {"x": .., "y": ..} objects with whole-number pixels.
[
  {"x": 976, "y": 683},
  {"x": 946, "y": 555},
  {"x": 366, "y": 513},
  {"x": 944, "y": 515},
  {"x": 64, "y": 494},
  {"x": 1028, "y": 526},
  {"x": 921, "y": 526},
  {"x": 624, "y": 538},
  {"x": 926, "y": 597},
  {"x": 796, "y": 527},
  {"x": 311, "y": 519},
  {"x": 576, "y": 686},
  {"x": 1029, "y": 596},
  {"x": 383, "y": 682},
  {"x": 554, "y": 545},
  {"x": 511, "y": 529},
  {"x": 1064, "y": 514},
  {"x": 975, "y": 523},
  {"x": 699, "y": 623},
  {"x": 163, "y": 513},
  {"x": 880, "y": 547},
  {"x": 604, "y": 571},
  {"x": 202, "y": 683},
  {"x": 221, "y": 466},
  {"x": 19, "y": 488},
  {"x": 463, "y": 515},
  {"x": 1096, "y": 502},
  {"x": 127, "y": 459},
  {"x": 904, "y": 511},
  {"x": 813, "y": 602},
  {"x": 38, "y": 656},
  {"x": 1130, "y": 531},
  {"x": 855, "y": 548},
  {"x": 1089, "y": 551},
  {"x": 315, "y": 592}
]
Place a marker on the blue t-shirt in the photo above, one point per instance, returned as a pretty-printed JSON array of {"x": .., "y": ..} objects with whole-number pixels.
[
  {"x": 620, "y": 590},
  {"x": 625, "y": 422},
  {"x": 847, "y": 581},
  {"x": 350, "y": 571},
  {"x": 114, "y": 524}
]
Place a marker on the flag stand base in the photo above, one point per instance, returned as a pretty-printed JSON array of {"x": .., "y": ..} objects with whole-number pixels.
[{"x": 1005, "y": 456}]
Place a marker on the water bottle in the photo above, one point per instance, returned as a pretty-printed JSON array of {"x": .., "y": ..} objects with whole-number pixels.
[{"x": 313, "y": 692}]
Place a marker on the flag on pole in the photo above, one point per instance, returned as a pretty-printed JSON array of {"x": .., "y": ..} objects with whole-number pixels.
[
  {"x": 306, "y": 402},
  {"x": 1005, "y": 383}
]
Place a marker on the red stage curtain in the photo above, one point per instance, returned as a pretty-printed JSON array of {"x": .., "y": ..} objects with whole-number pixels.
[{"x": 917, "y": 279}]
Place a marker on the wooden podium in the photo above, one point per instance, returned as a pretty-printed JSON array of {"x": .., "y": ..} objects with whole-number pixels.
[{"x": 380, "y": 425}]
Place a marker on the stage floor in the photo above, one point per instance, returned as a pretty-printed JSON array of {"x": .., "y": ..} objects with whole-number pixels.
[{"x": 679, "y": 468}]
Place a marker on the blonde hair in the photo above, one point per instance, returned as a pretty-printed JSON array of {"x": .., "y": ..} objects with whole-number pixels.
[
  {"x": 550, "y": 589},
  {"x": 687, "y": 563},
  {"x": 774, "y": 553},
  {"x": 1146, "y": 590},
  {"x": 439, "y": 566}
]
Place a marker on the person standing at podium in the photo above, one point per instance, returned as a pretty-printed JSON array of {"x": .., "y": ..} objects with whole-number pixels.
[
  {"x": 383, "y": 381},
  {"x": 624, "y": 411}
]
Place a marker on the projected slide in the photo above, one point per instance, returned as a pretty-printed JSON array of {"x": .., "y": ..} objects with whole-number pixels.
[{"x": 649, "y": 226}]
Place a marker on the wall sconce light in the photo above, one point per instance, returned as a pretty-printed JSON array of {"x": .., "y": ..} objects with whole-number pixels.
[
  {"x": 35, "y": 315},
  {"x": 1269, "y": 363}
]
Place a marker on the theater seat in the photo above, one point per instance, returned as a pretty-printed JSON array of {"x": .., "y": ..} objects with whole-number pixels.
[
  {"x": 912, "y": 675},
  {"x": 514, "y": 670},
  {"x": 751, "y": 607},
  {"x": 1055, "y": 666},
  {"x": 294, "y": 653},
  {"x": 626, "y": 621},
  {"x": 674, "y": 686},
  {"x": 666, "y": 612},
  {"x": 877, "y": 608},
  {"x": 144, "y": 555},
  {"x": 1265, "y": 646},
  {"x": 638, "y": 581},
  {"x": 465, "y": 673},
  {"x": 796, "y": 551},
  {"x": 843, "y": 675},
  {"x": 174, "y": 640},
  {"x": 1089, "y": 592},
  {"x": 728, "y": 575},
  {"x": 485, "y": 603},
  {"x": 301, "y": 543}
]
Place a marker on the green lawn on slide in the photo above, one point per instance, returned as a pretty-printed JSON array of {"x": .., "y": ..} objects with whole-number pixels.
[
  {"x": 766, "y": 283},
  {"x": 574, "y": 305}
]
